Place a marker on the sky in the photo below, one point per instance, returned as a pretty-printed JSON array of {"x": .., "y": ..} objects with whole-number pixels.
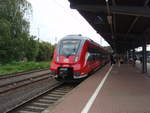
[{"x": 53, "y": 19}]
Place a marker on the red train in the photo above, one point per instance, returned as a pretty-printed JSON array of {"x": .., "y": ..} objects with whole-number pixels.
[{"x": 76, "y": 56}]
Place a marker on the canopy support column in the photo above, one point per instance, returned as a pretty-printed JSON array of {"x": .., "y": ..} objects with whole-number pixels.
[
  {"x": 144, "y": 58},
  {"x": 133, "y": 54}
]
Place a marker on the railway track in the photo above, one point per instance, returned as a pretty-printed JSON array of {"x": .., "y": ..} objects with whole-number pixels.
[
  {"x": 22, "y": 86},
  {"x": 11, "y": 82},
  {"x": 47, "y": 99},
  {"x": 18, "y": 89},
  {"x": 20, "y": 73}
]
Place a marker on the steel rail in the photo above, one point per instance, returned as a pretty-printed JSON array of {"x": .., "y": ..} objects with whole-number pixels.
[
  {"x": 31, "y": 81},
  {"x": 34, "y": 97},
  {"x": 20, "y": 73}
]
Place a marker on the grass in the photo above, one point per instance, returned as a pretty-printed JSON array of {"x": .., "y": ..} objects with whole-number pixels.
[{"x": 22, "y": 66}]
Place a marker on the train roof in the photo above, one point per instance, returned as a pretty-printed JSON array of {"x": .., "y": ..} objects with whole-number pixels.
[
  {"x": 82, "y": 38},
  {"x": 75, "y": 37},
  {"x": 79, "y": 37}
]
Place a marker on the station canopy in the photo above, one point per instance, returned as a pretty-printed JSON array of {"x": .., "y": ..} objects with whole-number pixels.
[{"x": 124, "y": 24}]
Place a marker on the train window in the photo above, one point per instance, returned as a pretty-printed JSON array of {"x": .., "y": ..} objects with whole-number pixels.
[
  {"x": 69, "y": 47},
  {"x": 90, "y": 58}
]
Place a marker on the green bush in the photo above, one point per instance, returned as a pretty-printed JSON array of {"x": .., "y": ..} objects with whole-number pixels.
[{"x": 45, "y": 51}]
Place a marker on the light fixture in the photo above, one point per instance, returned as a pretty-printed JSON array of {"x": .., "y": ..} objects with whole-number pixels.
[{"x": 109, "y": 18}]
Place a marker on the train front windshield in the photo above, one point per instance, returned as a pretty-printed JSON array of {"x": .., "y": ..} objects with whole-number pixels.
[{"x": 69, "y": 47}]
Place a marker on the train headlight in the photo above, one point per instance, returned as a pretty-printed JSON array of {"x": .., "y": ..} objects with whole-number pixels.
[
  {"x": 87, "y": 56},
  {"x": 57, "y": 58},
  {"x": 76, "y": 59}
]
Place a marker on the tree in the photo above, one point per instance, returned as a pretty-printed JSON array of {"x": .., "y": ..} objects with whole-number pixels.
[
  {"x": 32, "y": 48},
  {"x": 15, "y": 41},
  {"x": 14, "y": 11},
  {"x": 14, "y": 30},
  {"x": 45, "y": 51},
  {"x": 5, "y": 49}
]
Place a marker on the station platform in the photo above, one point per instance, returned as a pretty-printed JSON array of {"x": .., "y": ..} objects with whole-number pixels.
[{"x": 112, "y": 89}]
